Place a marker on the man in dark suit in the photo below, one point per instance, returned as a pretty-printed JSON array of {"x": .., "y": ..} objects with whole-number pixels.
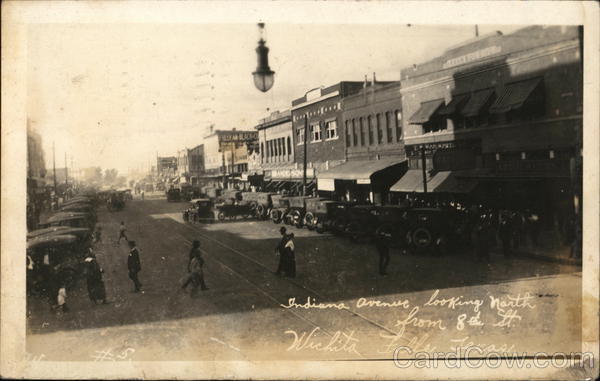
[{"x": 134, "y": 266}]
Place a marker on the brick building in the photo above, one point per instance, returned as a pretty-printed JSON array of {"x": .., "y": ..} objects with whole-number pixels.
[
  {"x": 498, "y": 118},
  {"x": 373, "y": 143},
  {"x": 321, "y": 110}
]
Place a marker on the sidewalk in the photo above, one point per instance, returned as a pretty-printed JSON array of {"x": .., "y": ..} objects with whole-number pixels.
[{"x": 549, "y": 252}]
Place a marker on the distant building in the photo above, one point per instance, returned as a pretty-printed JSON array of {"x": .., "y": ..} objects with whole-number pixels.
[
  {"x": 226, "y": 154},
  {"x": 183, "y": 167},
  {"x": 166, "y": 167},
  {"x": 276, "y": 153},
  {"x": 196, "y": 163}
]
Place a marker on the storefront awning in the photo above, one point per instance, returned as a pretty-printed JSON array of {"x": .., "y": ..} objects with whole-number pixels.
[
  {"x": 359, "y": 169},
  {"x": 426, "y": 111},
  {"x": 409, "y": 182},
  {"x": 454, "y": 105},
  {"x": 441, "y": 182},
  {"x": 448, "y": 182},
  {"x": 514, "y": 95},
  {"x": 476, "y": 102}
]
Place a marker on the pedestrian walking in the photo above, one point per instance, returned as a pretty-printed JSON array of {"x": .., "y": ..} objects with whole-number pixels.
[
  {"x": 280, "y": 250},
  {"x": 95, "y": 284},
  {"x": 122, "y": 231},
  {"x": 384, "y": 255},
  {"x": 134, "y": 266},
  {"x": 142, "y": 195}
]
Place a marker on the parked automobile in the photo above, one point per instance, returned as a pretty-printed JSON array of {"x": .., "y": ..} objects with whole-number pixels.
[
  {"x": 295, "y": 215},
  {"x": 73, "y": 219},
  {"x": 229, "y": 196},
  {"x": 63, "y": 259},
  {"x": 230, "y": 211},
  {"x": 392, "y": 225},
  {"x": 260, "y": 202},
  {"x": 280, "y": 209},
  {"x": 361, "y": 223},
  {"x": 210, "y": 192},
  {"x": 321, "y": 214},
  {"x": 431, "y": 229}
]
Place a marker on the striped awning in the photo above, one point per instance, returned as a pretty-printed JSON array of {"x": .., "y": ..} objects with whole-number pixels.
[
  {"x": 514, "y": 95},
  {"x": 454, "y": 105},
  {"x": 476, "y": 102},
  {"x": 426, "y": 111}
]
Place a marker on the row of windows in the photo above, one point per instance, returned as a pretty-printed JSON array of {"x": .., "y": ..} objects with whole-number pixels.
[
  {"x": 370, "y": 130},
  {"x": 315, "y": 132},
  {"x": 276, "y": 148},
  {"x": 320, "y": 111}
]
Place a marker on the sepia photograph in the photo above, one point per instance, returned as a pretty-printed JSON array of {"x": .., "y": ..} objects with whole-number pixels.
[{"x": 393, "y": 198}]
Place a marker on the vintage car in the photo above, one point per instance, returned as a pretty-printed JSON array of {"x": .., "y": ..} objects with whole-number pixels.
[
  {"x": 229, "y": 196},
  {"x": 361, "y": 223},
  {"x": 392, "y": 225},
  {"x": 210, "y": 192},
  {"x": 321, "y": 214},
  {"x": 431, "y": 230},
  {"x": 61, "y": 253},
  {"x": 201, "y": 210},
  {"x": 280, "y": 209},
  {"x": 295, "y": 215},
  {"x": 83, "y": 208},
  {"x": 260, "y": 202},
  {"x": 174, "y": 195},
  {"x": 115, "y": 201},
  {"x": 73, "y": 219}
]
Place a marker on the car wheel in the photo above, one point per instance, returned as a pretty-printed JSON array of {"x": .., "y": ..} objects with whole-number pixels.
[
  {"x": 275, "y": 216},
  {"x": 221, "y": 216},
  {"x": 422, "y": 238}
]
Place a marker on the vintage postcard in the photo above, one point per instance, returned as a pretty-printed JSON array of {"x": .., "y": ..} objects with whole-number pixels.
[{"x": 299, "y": 190}]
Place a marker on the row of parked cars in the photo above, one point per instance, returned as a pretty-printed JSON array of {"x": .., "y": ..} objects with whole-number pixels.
[
  {"x": 417, "y": 229},
  {"x": 55, "y": 250}
]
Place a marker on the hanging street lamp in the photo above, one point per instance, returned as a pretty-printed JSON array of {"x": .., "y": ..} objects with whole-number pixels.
[{"x": 263, "y": 76}]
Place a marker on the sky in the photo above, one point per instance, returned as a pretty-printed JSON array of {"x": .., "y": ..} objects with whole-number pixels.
[{"x": 118, "y": 95}]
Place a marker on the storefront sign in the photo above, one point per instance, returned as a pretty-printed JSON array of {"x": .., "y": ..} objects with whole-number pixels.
[
  {"x": 453, "y": 159},
  {"x": 363, "y": 181},
  {"x": 326, "y": 184},
  {"x": 291, "y": 173},
  {"x": 534, "y": 168},
  {"x": 474, "y": 56}
]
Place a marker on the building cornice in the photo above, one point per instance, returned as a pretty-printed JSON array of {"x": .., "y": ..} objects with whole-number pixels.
[
  {"x": 317, "y": 100},
  {"x": 523, "y": 57}
]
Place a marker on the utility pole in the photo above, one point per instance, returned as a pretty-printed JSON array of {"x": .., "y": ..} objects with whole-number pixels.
[
  {"x": 424, "y": 167},
  {"x": 305, "y": 153},
  {"x": 476, "y": 30}
]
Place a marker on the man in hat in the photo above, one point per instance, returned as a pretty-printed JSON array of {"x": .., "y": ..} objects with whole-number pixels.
[
  {"x": 134, "y": 266},
  {"x": 280, "y": 250}
]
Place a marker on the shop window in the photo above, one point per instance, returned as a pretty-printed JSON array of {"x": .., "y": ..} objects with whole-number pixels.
[
  {"x": 388, "y": 127},
  {"x": 379, "y": 129},
  {"x": 331, "y": 129},
  {"x": 315, "y": 132},
  {"x": 370, "y": 126}
]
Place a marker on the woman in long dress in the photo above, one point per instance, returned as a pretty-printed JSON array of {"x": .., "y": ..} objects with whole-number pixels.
[{"x": 95, "y": 284}]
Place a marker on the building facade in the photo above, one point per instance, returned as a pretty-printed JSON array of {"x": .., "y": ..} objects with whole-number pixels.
[
  {"x": 183, "y": 165},
  {"x": 498, "y": 118},
  {"x": 227, "y": 153},
  {"x": 196, "y": 163},
  {"x": 166, "y": 167},
  {"x": 318, "y": 115},
  {"x": 374, "y": 148}
]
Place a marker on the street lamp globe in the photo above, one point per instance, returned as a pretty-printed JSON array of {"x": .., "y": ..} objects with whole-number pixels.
[{"x": 263, "y": 76}]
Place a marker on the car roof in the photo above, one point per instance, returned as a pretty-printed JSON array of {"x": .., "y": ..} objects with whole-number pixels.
[{"x": 50, "y": 239}]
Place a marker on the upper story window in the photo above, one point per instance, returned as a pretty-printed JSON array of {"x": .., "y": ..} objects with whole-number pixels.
[
  {"x": 379, "y": 129},
  {"x": 398, "y": 121},
  {"x": 388, "y": 127},
  {"x": 363, "y": 139},
  {"x": 315, "y": 132},
  {"x": 370, "y": 126},
  {"x": 354, "y": 136},
  {"x": 300, "y": 135},
  {"x": 289, "y": 146},
  {"x": 262, "y": 151},
  {"x": 348, "y": 133},
  {"x": 331, "y": 129}
]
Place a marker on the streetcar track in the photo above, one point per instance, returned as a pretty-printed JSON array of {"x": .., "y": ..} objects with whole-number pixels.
[{"x": 354, "y": 313}]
